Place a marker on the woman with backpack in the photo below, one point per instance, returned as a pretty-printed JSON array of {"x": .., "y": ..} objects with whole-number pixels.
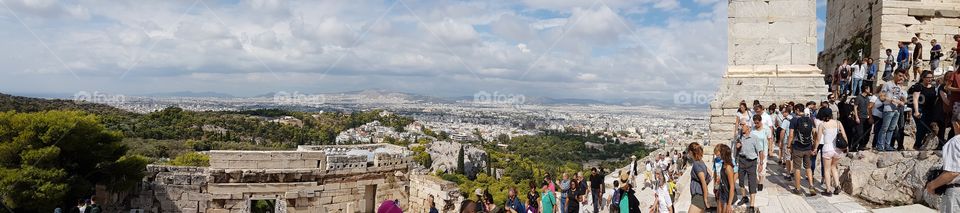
[
  {"x": 832, "y": 149},
  {"x": 699, "y": 179},
  {"x": 548, "y": 202}
]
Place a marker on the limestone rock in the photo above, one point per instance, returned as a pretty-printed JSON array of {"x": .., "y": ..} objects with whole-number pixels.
[{"x": 888, "y": 178}]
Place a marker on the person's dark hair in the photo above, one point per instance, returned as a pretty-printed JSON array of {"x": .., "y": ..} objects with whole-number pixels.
[
  {"x": 487, "y": 197},
  {"x": 926, "y": 72},
  {"x": 465, "y": 204},
  {"x": 756, "y": 102},
  {"x": 825, "y": 114},
  {"x": 798, "y": 108},
  {"x": 616, "y": 184},
  {"x": 757, "y": 117},
  {"x": 743, "y": 106},
  {"x": 725, "y": 153},
  {"x": 811, "y": 103}
]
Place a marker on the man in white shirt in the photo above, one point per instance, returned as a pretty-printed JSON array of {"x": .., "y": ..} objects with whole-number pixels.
[
  {"x": 950, "y": 178},
  {"x": 859, "y": 73}
]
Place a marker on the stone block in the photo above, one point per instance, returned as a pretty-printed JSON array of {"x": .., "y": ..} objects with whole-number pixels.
[
  {"x": 792, "y": 9},
  {"x": 748, "y": 9},
  {"x": 894, "y": 11},
  {"x": 949, "y": 13},
  {"x": 291, "y": 195},
  {"x": 921, "y": 12},
  {"x": 899, "y": 19}
]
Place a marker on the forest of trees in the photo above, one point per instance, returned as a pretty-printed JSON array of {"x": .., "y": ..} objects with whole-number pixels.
[
  {"x": 53, "y": 152},
  {"x": 528, "y": 159}
]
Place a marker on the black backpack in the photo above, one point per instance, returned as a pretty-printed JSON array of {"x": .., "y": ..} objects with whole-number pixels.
[
  {"x": 844, "y": 73},
  {"x": 804, "y": 131}
]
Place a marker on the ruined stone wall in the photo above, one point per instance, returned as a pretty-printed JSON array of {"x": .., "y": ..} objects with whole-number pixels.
[
  {"x": 166, "y": 189},
  {"x": 932, "y": 19},
  {"x": 265, "y": 159},
  {"x": 314, "y": 179},
  {"x": 884, "y": 23},
  {"x": 446, "y": 195},
  {"x": 850, "y": 26}
]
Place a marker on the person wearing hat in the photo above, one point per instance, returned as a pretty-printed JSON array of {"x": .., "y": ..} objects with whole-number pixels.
[
  {"x": 625, "y": 197},
  {"x": 481, "y": 200}
]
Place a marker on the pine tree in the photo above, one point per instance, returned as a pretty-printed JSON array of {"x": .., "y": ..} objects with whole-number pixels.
[{"x": 460, "y": 167}]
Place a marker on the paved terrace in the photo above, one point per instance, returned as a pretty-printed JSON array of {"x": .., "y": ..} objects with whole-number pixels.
[{"x": 776, "y": 197}]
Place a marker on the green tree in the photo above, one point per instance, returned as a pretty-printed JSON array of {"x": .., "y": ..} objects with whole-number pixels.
[
  {"x": 45, "y": 156},
  {"x": 191, "y": 159},
  {"x": 461, "y": 169}
]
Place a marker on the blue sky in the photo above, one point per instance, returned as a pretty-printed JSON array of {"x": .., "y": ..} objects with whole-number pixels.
[
  {"x": 603, "y": 49},
  {"x": 821, "y": 22}
]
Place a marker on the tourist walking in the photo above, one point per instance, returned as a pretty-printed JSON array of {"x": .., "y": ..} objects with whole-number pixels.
[
  {"x": 831, "y": 132},
  {"x": 663, "y": 201},
  {"x": 889, "y": 65},
  {"x": 784, "y": 155},
  {"x": 893, "y": 101},
  {"x": 533, "y": 198},
  {"x": 872, "y": 70},
  {"x": 877, "y": 117},
  {"x": 564, "y": 192},
  {"x": 802, "y": 150},
  {"x": 842, "y": 77},
  {"x": 927, "y": 105},
  {"x": 936, "y": 54},
  {"x": 725, "y": 192},
  {"x": 917, "y": 58},
  {"x": 699, "y": 179},
  {"x": 956, "y": 52},
  {"x": 548, "y": 202},
  {"x": 859, "y": 74},
  {"x": 744, "y": 116},
  {"x": 625, "y": 197},
  {"x": 750, "y": 155},
  {"x": 864, "y": 108},
  {"x": 596, "y": 189}
]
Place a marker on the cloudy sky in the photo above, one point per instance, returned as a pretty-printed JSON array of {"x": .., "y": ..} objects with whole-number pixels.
[{"x": 595, "y": 49}]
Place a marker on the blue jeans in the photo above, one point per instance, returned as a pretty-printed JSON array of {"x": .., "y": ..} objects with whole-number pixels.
[
  {"x": 844, "y": 86},
  {"x": 934, "y": 64},
  {"x": 877, "y": 124},
  {"x": 857, "y": 85},
  {"x": 563, "y": 201},
  {"x": 890, "y": 121}
]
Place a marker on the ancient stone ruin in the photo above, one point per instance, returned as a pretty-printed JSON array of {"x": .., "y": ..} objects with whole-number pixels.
[
  {"x": 347, "y": 178},
  {"x": 872, "y": 26},
  {"x": 772, "y": 52}
]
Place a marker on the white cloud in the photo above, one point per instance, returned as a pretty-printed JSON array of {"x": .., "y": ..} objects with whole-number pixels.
[
  {"x": 336, "y": 46},
  {"x": 523, "y": 48}
]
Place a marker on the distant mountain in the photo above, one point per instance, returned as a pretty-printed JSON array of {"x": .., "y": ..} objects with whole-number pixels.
[
  {"x": 541, "y": 100},
  {"x": 191, "y": 94}
]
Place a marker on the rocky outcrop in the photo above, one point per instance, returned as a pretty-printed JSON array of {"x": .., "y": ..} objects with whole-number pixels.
[
  {"x": 444, "y": 155},
  {"x": 889, "y": 178}
]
